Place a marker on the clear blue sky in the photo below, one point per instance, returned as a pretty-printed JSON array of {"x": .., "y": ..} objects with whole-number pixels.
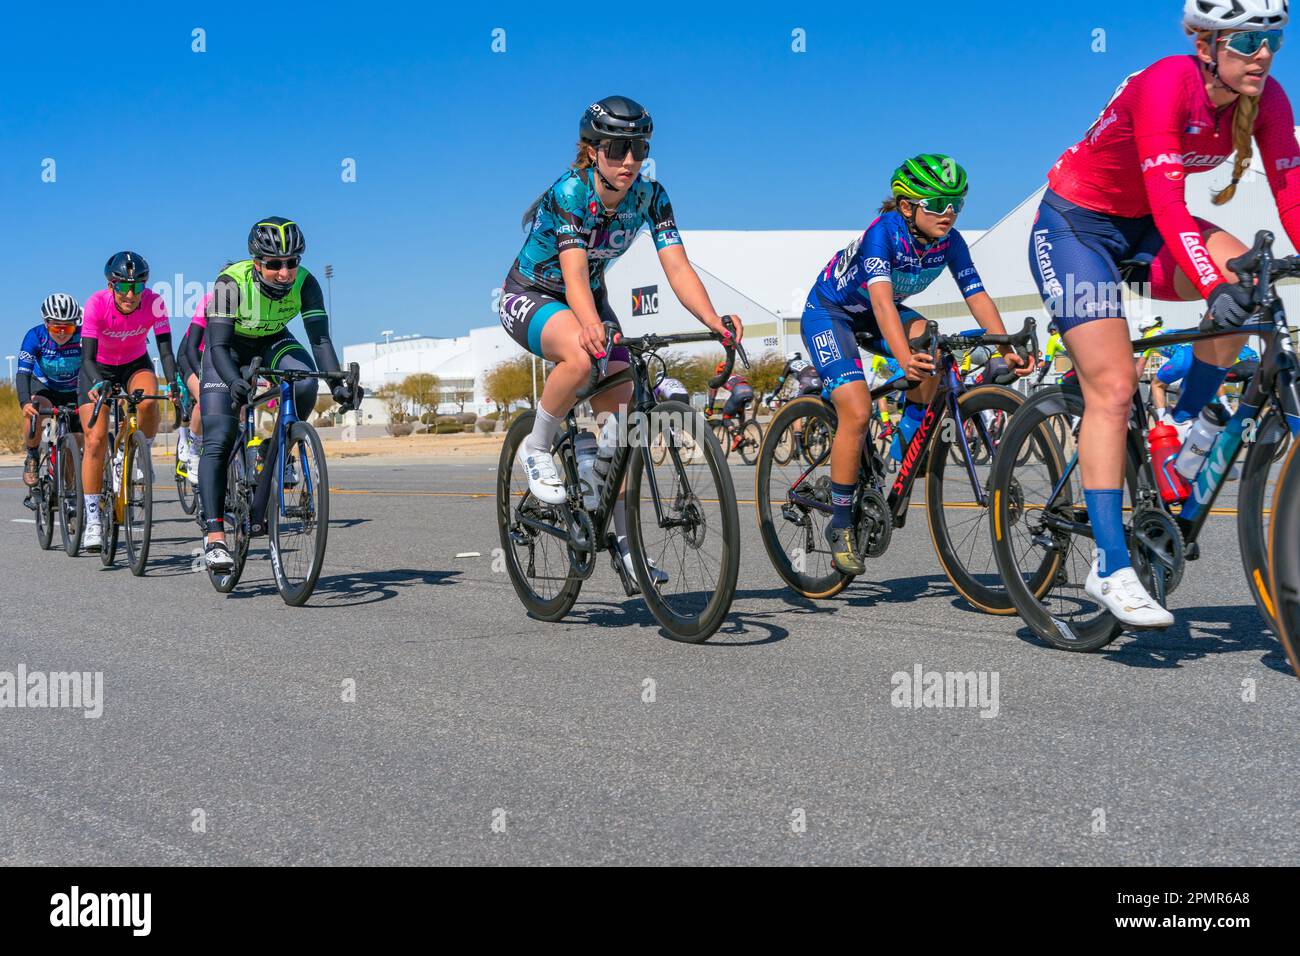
[{"x": 175, "y": 153}]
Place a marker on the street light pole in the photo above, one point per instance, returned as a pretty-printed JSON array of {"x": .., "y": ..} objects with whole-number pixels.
[
  {"x": 10, "y": 360},
  {"x": 329, "y": 286}
]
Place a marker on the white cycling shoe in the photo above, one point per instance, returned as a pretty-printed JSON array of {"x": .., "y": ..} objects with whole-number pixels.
[
  {"x": 92, "y": 539},
  {"x": 1123, "y": 595},
  {"x": 658, "y": 577},
  {"x": 544, "y": 481},
  {"x": 192, "y": 466}
]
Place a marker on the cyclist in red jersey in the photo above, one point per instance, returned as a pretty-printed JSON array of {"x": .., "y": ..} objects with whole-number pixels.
[{"x": 1116, "y": 212}]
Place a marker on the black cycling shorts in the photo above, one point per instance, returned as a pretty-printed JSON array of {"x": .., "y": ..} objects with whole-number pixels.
[{"x": 113, "y": 375}]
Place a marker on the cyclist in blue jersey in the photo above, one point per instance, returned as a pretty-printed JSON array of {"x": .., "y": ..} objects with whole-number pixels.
[
  {"x": 554, "y": 301},
  {"x": 861, "y": 291},
  {"x": 1175, "y": 369},
  {"x": 48, "y": 364}
]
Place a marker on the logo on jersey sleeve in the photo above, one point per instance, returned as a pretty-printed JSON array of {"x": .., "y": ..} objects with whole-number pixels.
[
  {"x": 846, "y": 258},
  {"x": 1200, "y": 257}
]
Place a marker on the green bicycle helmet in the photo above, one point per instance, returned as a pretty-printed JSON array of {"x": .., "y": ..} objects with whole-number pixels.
[{"x": 929, "y": 175}]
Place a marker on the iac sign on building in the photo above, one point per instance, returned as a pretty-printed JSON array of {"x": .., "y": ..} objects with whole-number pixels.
[{"x": 645, "y": 301}]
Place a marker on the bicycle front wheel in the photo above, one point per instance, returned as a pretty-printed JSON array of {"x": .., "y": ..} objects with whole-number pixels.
[
  {"x": 72, "y": 510},
  {"x": 138, "y": 512},
  {"x": 1284, "y": 555},
  {"x": 958, "y": 519},
  {"x": 108, "y": 509},
  {"x": 682, "y": 523},
  {"x": 1256, "y": 498},
  {"x": 299, "y": 514}
]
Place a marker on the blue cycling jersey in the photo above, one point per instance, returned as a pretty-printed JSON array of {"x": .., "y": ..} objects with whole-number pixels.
[
  {"x": 886, "y": 252},
  {"x": 50, "y": 363},
  {"x": 572, "y": 216}
]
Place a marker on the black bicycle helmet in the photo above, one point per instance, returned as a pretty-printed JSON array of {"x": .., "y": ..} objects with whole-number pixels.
[
  {"x": 615, "y": 117},
  {"x": 274, "y": 238},
  {"x": 126, "y": 267}
]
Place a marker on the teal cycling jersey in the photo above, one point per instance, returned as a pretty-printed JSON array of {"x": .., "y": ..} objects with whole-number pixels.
[{"x": 571, "y": 215}]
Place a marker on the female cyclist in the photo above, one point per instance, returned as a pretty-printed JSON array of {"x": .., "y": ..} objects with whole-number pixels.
[
  {"x": 554, "y": 301},
  {"x": 861, "y": 290},
  {"x": 1115, "y": 211}
]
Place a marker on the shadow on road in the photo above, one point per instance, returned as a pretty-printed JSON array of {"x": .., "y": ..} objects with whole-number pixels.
[{"x": 356, "y": 588}]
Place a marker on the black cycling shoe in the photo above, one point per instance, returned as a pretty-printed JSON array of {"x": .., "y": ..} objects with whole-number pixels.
[
  {"x": 844, "y": 551},
  {"x": 218, "y": 557}
]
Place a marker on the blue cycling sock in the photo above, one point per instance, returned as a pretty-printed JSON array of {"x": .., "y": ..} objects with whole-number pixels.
[
  {"x": 1106, "y": 514},
  {"x": 842, "y": 502},
  {"x": 1200, "y": 385}
]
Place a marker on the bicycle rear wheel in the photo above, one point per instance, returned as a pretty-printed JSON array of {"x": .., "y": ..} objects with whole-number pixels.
[
  {"x": 185, "y": 490},
  {"x": 299, "y": 514},
  {"x": 43, "y": 496},
  {"x": 1044, "y": 568},
  {"x": 1284, "y": 556},
  {"x": 792, "y": 529},
  {"x": 959, "y": 524},
  {"x": 237, "y": 523},
  {"x": 70, "y": 498},
  {"x": 1255, "y": 500},
  {"x": 690, "y": 531},
  {"x": 138, "y": 511},
  {"x": 722, "y": 435},
  {"x": 539, "y": 564},
  {"x": 751, "y": 439}
]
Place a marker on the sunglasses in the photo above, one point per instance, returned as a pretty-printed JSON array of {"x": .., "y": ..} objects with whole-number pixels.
[
  {"x": 1249, "y": 42},
  {"x": 617, "y": 149},
  {"x": 61, "y": 328},
  {"x": 940, "y": 206},
  {"x": 275, "y": 265},
  {"x": 128, "y": 287}
]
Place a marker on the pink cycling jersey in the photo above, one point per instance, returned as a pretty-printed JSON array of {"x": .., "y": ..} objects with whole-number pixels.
[
  {"x": 200, "y": 317},
  {"x": 122, "y": 338},
  {"x": 1161, "y": 127}
]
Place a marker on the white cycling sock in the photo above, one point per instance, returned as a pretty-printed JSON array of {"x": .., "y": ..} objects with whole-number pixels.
[
  {"x": 542, "y": 436},
  {"x": 92, "y": 504}
]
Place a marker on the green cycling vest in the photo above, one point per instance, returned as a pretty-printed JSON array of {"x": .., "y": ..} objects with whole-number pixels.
[{"x": 260, "y": 315}]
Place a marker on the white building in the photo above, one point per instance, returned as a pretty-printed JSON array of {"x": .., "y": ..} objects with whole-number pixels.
[{"x": 764, "y": 277}]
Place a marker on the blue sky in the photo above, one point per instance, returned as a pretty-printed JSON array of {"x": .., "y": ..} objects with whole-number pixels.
[{"x": 175, "y": 153}]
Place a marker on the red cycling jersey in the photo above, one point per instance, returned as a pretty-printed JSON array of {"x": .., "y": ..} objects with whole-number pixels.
[{"x": 1160, "y": 127}]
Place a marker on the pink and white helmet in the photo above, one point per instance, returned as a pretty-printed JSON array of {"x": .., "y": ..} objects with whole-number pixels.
[{"x": 1220, "y": 15}]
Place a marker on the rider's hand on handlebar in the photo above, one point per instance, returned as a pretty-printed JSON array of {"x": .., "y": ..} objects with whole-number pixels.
[
  {"x": 345, "y": 396},
  {"x": 30, "y": 409},
  {"x": 727, "y": 337},
  {"x": 1021, "y": 364},
  {"x": 1229, "y": 304},
  {"x": 240, "y": 391},
  {"x": 592, "y": 338},
  {"x": 919, "y": 366}
]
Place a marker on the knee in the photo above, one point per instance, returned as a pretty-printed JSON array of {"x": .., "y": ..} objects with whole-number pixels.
[
  {"x": 1113, "y": 395},
  {"x": 852, "y": 416}
]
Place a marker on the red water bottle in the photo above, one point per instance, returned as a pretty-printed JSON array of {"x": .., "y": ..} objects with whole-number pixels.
[{"x": 1165, "y": 446}]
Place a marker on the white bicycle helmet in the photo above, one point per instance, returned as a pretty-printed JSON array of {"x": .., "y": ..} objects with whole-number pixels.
[
  {"x": 793, "y": 356},
  {"x": 1220, "y": 15},
  {"x": 60, "y": 307}
]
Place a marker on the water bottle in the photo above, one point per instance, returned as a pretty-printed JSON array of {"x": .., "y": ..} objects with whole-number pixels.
[
  {"x": 607, "y": 444},
  {"x": 584, "y": 448},
  {"x": 1164, "y": 444},
  {"x": 1199, "y": 440}
]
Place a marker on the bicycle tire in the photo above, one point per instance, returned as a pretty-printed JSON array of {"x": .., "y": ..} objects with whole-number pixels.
[
  {"x": 989, "y": 598},
  {"x": 1284, "y": 556},
  {"x": 1026, "y": 425},
  {"x": 43, "y": 498},
  {"x": 815, "y": 586},
  {"x": 540, "y": 606},
  {"x": 312, "y": 504},
  {"x": 185, "y": 490},
  {"x": 751, "y": 439},
  {"x": 690, "y": 628},
  {"x": 108, "y": 509},
  {"x": 138, "y": 511},
  {"x": 722, "y": 434},
  {"x": 72, "y": 509},
  {"x": 237, "y": 506},
  {"x": 1252, "y": 497}
]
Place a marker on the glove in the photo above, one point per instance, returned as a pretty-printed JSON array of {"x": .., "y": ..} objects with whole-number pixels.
[
  {"x": 1229, "y": 304},
  {"x": 240, "y": 390},
  {"x": 345, "y": 397}
]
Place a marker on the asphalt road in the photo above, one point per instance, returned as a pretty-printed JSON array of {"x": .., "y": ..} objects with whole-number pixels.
[{"x": 225, "y": 737}]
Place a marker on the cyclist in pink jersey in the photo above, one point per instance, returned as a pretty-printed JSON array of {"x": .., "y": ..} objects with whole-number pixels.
[
  {"x": 115, "y": 350},
  {"x": 1116, "y": 212}
]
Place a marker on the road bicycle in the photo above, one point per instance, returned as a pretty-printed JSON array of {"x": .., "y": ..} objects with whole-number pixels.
[
  {"x": 794, "y": 500},
  {"x": 126, "y": 496},
  {"x": 1043, "y": 541},
  {"x": 681, "y": 511},
  {"x": 743, "y": 435},
  {"x": 285, "y": 496},
  {"x": 58, "y": 481}
]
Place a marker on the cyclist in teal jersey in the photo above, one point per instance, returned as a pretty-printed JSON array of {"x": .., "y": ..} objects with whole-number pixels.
[{"x": 554, "y": 302}]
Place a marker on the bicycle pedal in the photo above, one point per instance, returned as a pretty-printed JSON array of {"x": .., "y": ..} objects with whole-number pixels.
[
  {"x": 630, "y": 587},
  {"x": 29, "y": 504}
]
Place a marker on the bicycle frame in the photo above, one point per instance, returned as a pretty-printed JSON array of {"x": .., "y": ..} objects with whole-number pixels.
[{"x": 285, "y": 417}]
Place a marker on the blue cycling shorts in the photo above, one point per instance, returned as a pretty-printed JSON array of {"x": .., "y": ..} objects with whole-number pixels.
[{"x": 831, "y": 340}]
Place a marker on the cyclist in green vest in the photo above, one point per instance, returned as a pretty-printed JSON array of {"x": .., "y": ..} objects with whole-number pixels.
[{"x": 252, "y": 303}]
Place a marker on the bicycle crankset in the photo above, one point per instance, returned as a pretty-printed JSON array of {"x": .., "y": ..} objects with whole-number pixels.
[
  {"x": 582, "y": 542},
  {"x": 875, "y": 524},
  {"x": 1158, "y": 551}
]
